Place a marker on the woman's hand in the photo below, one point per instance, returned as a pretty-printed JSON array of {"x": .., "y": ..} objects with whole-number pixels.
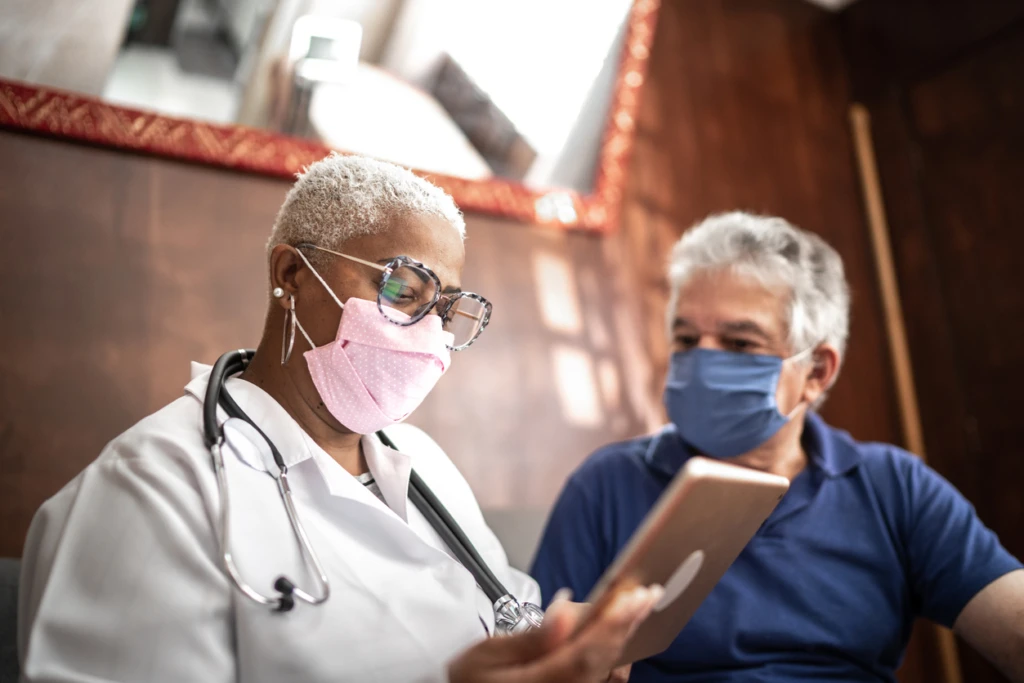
[
  {"x": 578, "y": 611},
  {"x": 553, "y": 653}
]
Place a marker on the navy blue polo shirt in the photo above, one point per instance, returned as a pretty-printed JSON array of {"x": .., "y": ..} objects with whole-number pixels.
[{"x": 866, "y": 539}]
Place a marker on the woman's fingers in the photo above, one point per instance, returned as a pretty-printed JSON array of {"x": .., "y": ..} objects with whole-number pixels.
[
  {"x": 513, "y": 651},
  {"x": 617, "y": 623},
  {"x": 558, "y": 652},
  {"x": 562, "y": 618},
  {"x": 590, "y": 656}
]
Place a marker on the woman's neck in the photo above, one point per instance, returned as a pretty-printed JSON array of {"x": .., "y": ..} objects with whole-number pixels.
[{"x": 275, "y": 379}]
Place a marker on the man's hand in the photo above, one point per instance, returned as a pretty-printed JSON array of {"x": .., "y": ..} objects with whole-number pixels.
[
  {"x": 620, "y": 675},
  {"x": 552, "y": 653}
]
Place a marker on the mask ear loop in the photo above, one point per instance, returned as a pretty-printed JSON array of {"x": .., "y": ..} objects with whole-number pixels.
[
  {"x": 317, "y": 275},
  {"x": 290, "y": 317},
  {"x": 796, "y": 409},
  {"x": 801, "y": 404}
]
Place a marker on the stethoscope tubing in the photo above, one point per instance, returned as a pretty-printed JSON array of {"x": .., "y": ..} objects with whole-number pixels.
[
  {"x": 423, "y": 498},
  {"x": 216, "y": 394}
]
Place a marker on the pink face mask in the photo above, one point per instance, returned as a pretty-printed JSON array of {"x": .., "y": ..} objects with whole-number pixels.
[{"x": 375, "y": 373}]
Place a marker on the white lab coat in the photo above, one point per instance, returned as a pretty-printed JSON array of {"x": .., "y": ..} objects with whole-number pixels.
[{"x": 122, "y": 576}]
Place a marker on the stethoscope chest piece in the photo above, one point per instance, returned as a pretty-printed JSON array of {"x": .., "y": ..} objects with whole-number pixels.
[{"x": 512, "y": 616}]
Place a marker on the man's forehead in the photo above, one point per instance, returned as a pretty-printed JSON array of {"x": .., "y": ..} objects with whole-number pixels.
[{"x": 731, "y": 302}]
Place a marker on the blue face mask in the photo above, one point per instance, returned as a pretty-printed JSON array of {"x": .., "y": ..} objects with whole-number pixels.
[{"x": 723, "y": 403}]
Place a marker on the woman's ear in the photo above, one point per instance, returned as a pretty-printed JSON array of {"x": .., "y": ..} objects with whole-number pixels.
[
  {"x": 821, "y": 372},
  {"x": 285, "y": 264}
]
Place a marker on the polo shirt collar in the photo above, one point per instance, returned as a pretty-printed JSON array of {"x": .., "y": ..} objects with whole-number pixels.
[
  {"x": 832, "y": 452},
  {"x": 667, "y": 452}
]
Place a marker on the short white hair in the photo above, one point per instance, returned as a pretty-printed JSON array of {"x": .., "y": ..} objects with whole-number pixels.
[
  {"x": 346, "y": 196},
  {"x": 775, "y": 253}
]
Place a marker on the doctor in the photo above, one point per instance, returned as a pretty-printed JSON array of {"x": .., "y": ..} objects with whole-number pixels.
[{"x": 124, "y": 573}]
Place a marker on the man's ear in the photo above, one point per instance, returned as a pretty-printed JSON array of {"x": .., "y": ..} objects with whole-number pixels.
[{"x": 821, "y": 372}]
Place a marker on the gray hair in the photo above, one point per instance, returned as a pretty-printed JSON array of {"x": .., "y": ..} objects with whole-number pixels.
[
  {"x": 775, "y": 253},
  {"x": 344, "y": 196}
]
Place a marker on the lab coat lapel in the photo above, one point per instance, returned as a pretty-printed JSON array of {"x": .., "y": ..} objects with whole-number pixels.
[
  {"x": 261, "y": 408},
  {"x": 331, "y": 501},
  {"x": 387, "y": 581},
  {"x": 345, "y": 503},
  {"x": 328, "y": 486},
  {"x": 391, "y": 470}
]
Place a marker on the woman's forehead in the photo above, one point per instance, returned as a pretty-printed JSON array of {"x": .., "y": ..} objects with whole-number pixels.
[{"x": 431, "y": 240}]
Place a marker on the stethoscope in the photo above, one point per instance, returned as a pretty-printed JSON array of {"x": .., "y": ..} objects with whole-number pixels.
[{"x": 510, "y": 616}]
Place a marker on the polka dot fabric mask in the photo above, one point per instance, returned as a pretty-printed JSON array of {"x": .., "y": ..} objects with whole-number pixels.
[{"x": 375, "y": 373}]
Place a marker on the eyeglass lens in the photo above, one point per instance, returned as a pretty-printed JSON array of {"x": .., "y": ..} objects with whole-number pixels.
[
  {"x": 465, "y": 319},
  {"x": 412, "y": 291},
  {"x": 408, "y": 289}
]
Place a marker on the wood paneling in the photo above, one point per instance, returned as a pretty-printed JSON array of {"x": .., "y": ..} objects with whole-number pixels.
[
  {"x": 969, "y": 128},
  {"x": 900, "y": 42},
  {"x": 122, "y": 269},
  {"x": 746, "y": 108},
  {"x": 948, "y": 121}
]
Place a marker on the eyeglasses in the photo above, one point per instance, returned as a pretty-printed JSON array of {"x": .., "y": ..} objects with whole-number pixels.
[{"x": 414, "y": 290}]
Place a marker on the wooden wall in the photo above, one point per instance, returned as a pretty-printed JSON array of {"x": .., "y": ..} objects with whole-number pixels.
[
  {"x": 123, "y": 268},
  {"x": 947, "y": 107},
  {"x": 745, "y": 108}
]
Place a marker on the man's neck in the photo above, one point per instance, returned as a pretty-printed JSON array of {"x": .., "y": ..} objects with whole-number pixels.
[
  {"x": 783, "y": 454},
  {"x": 273, "y": 378}
]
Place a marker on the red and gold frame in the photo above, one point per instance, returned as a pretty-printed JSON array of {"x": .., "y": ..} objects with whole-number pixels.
[{"x": 86, "y": 119}]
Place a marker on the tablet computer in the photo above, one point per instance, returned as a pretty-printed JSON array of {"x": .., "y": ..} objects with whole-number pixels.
[{"x": 688, "y": 540}]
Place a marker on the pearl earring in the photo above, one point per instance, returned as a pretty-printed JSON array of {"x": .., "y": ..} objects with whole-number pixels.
[{"x": 278, "y": 292}]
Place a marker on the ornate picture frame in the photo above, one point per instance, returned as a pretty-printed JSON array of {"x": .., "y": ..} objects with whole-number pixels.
[{"x": 86, "y": 119}]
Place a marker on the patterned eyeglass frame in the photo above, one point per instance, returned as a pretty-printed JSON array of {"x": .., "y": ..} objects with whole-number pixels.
[{"x": 450, "y": 299}]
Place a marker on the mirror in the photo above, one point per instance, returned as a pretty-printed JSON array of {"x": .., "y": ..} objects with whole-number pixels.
[{"x": 520, "y": 96}]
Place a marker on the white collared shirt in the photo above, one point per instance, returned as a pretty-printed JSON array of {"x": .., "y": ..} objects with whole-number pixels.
[{"x": 122, "y": 576}]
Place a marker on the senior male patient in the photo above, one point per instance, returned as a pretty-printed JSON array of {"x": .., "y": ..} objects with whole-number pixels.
[{"x": 867, "y": 538}]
